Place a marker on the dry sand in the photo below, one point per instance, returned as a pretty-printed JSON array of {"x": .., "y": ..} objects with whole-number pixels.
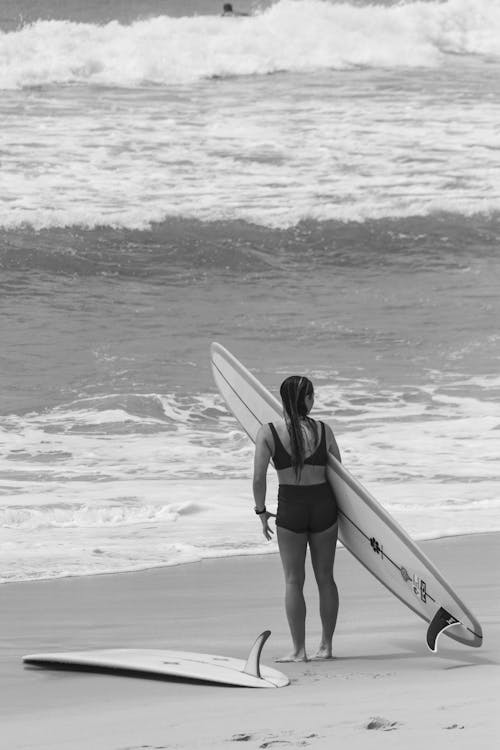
[{"x": 384, "y": 689}]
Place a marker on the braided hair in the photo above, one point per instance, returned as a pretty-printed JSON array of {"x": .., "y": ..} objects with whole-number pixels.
[{"x": 293, "y": 392}]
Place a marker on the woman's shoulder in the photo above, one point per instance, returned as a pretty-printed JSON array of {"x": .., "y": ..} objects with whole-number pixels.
[
  {"x": 326, "y": 426},
  {"x": 278, "y": 424},
  {"x": 272, "y": 429},
  {"x": 266, "y": 430},
  {"x": 331, "y": 442},
  {"x": 318, "y": 424},
  {"x": 266, "y": 435}
]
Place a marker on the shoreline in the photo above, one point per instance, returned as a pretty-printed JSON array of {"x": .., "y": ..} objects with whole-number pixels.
[
  {"x": 219, "y": 557},
  {"x": 382, "y": 679}
]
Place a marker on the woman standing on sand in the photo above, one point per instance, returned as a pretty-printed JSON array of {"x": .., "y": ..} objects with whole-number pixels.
[{"x": 307, "y": 510}]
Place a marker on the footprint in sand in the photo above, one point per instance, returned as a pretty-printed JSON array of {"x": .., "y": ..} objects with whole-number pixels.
[
  {"x": 241, "y": 737},
  {"x": 296, "y": 743},
  {"x": 378, "y": 722}
]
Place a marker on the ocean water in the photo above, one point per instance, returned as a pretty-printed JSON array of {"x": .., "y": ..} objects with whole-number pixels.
[{"x": 317, "y": 187}]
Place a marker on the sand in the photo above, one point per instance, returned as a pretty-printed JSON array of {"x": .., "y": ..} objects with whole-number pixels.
[{"x": 384, "y": 689}]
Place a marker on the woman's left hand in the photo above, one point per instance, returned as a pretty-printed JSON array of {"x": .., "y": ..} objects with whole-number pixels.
[{"x": 266, "y": 529}]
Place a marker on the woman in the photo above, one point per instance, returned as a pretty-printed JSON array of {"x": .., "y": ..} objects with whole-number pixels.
[{"x": 307, "y": 510}]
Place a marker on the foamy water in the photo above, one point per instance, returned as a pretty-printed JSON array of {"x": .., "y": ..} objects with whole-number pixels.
[
  {"x": 87, "y": 489},
  {"x": 344, "y": 113},
  {"x": 290, "y": 36}
]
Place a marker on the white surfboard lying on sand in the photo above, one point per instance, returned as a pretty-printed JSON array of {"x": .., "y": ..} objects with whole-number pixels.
[
  {"x": 365, "y": 528},
  {"x": 150, "y": 662}
]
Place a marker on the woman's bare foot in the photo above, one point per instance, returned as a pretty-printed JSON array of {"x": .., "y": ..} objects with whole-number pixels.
[
  {"x": 323, "y": 653},
  {"x": 299, "y": 656}
]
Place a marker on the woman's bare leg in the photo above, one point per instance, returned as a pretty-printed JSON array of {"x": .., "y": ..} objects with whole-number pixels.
[
  {"x": 323, "y": 545},
  {"x": 292, "y": 547}
]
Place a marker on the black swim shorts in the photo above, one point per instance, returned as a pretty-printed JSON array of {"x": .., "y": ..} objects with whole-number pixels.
[{"x": 306, "y": 508}]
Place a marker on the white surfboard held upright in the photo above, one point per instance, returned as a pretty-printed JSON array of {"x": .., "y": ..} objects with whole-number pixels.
[{"x": 365, "y": 528}]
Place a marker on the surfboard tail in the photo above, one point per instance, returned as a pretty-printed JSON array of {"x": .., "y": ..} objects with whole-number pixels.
[
  {"x": 441, "y": 621},
  {"x": 252, "y": 665}
]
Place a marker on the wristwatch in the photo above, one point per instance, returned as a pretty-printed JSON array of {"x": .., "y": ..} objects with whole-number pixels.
[{"x": 260, "y": 512}]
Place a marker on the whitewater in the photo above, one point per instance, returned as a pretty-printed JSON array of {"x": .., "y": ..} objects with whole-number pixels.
[
  {"x": 88, "y": 489},
  {"x": 290, "y": 36},
  {"x": 343, "y": 113}
]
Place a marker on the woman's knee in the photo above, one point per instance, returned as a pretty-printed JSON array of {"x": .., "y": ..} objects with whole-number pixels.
[
  {"x": 324, "y": 577},
  {"x": 295, "y": 579}
]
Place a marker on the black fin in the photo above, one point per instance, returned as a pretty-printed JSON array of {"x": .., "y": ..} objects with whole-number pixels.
[
  {"x": 253, "y": 662},
  {"x": 440, "y": 622}
]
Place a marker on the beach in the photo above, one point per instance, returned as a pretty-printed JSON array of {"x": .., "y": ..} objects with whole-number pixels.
[
  {"x": 315, "y": 186},
  {"x": 383, "y": 689}
]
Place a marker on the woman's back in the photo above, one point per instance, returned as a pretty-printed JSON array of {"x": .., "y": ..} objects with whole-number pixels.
[{"x": 315, "y": 453}]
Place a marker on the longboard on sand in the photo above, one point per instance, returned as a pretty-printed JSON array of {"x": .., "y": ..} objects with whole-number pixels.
[
  {"x": 149, "y": 662},
  {"x": 367, "y": 530}
]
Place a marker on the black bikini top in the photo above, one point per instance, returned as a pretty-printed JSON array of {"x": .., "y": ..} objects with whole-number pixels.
[{"x": 283, "y": 460}]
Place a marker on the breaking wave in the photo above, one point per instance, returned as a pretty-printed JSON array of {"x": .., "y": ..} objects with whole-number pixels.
[{"x": 291, "y": 35}]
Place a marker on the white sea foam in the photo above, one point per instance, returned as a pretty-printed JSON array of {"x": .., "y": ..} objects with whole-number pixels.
[
  {"x": 257, "y": 155},
  {"x": 85, "y": 489},
  {"x": 291, "y": 35},
  {"x": 178, "y": 522},
  {"x": 188, "y": 123}
]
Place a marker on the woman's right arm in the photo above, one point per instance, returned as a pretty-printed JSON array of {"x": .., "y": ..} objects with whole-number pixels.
[{"x": 261, "y": 464}]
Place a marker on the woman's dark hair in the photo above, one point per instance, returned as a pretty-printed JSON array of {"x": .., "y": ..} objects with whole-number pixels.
[{"x": 293, "y": 392}]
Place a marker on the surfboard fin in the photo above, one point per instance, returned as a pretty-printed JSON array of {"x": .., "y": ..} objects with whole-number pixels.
[
  {"x": 253, "y": 662},
  {"x": 441, "y": 621}
]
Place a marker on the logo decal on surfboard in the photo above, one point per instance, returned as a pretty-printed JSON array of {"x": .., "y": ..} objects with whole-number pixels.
[
  {"x": 376, "y": 547},
  {"x": 406, "y": 575}
]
